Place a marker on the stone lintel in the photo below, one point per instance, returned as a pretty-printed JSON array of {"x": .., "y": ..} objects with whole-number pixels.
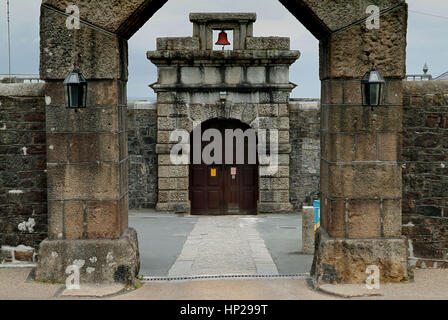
[
  {"x": 223, "y": 87},
  {"x": 206, "y": 17},
  {"x": 222, "y": 58},
  {"x": 343, "y": 261},
  {"x": 100, "y": 261},
  {"x": 268, "y": 43}
]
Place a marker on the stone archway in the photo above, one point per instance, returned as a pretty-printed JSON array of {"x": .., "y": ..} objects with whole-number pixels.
[{"x": 361, "y": 189}]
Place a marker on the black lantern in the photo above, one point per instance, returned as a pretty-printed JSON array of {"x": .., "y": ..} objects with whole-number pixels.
[
  {"x": 372, "y": 87},
  {"x": 75, "y": 86}
]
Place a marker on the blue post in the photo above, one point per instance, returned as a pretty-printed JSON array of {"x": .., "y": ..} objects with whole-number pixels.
[{"x": 316, "y": 206}]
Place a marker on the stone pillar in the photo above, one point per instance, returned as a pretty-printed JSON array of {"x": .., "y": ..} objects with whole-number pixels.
[
  {"x": 360, "y": 173},
  {"x": 308, "y": 233},
  {"x": 274, "y": 188},
  {"x": 87, "y": 157}
]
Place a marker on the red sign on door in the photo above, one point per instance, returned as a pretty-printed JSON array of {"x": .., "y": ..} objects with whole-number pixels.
[{"x": 233, "y": 171}]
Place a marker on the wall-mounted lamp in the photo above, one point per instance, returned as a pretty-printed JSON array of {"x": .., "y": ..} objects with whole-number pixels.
[
  {"x": 372, "y": 85},
  {"x": 75, "y": 87}
]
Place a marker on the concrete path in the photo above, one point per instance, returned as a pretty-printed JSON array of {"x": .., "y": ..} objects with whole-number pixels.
[
  {"x": 172, "y": 245},
  {"x": 224, "y": 246},
  {"x": 161, "y": 238}
]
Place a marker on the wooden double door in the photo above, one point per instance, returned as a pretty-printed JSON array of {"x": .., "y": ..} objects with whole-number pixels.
[{"x": 224, "y": 189}]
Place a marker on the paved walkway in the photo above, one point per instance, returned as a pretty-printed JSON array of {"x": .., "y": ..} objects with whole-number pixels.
[
  {"x": 224, "y": 246},
  {"x": 176, "y": 246}
]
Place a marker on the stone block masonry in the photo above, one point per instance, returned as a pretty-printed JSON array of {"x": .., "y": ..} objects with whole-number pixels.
[
  {"x": 304, "y": 115},
  {"x": 143, "y": 164},
  {"x": 425, "y": 172},
  {"x": 23, "y": 190}
]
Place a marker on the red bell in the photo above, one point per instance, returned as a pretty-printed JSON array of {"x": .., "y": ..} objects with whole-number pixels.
[{"x": 222, "y": 40}]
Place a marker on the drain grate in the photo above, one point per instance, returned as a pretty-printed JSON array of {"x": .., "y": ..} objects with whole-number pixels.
[{"x": 224, "y": 277}]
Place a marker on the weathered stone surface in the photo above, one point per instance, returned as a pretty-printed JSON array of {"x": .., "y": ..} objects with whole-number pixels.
[
  {"x": 366, "y": 147},
  {"x": 100, "y": 261},
  {"x": 109, "y": 147},
  {"x": 334, "y": 14},
  {"x": 187, "y": 43},
  {"x": 55, "y": 220},
  {"x": 425, "y": 174},
  {"x": 73, "y": 219},
  {"x": 23, "y": 183},
  {"x": 108, "y": 14},
  {"x": 308, "y": 230},
  {"x": 392, "y": 218},
  {"x": 174, "y": 207},
  {"x": 143, "y": 158},
  {"x": 268, "y": 43},
  {"x": 385, "y": 45},
  {"x": 281, "y": 208},
  {"x": 364, "y": 219},
  {"x": 100, "y": 51},
  {"x": 83, "y": 148},
  {"x": 201, "y": 17},
  {"x": 359, "y": 118},
  {"x": 388, "y": 146},
  {"x": 69, "y": 181},
  {"x": 304, "y": 137},
  {"x": 92, "y": 119},
  {"x": 339, "y": 147},
  {"x": 57, "y": 148},
  {"x": 238, "y": 57},
  {"x": 365, "y": 181},
  {"x": 103, "y": 220},
  {"x": 333, "y": 214},
  {"x": 346, "y": 260},
  {"x": 22, "y": 90}
]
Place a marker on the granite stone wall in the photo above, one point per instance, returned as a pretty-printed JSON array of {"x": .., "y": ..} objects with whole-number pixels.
[
  {"x": 23, "y": 187},
  {"x": 305, "y": 152},
  {"x": 425, "y": 172},
  {"x": 142, "y": 137}
]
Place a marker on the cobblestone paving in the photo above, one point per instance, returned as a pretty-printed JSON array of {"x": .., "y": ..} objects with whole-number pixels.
[{"x": 224, "y": 246}]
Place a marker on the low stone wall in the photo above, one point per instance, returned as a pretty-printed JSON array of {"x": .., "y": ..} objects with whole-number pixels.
[
  {"x": 142, "y": 137},
  {"x": 305, "y": 152},
  {"x": 23, "y": 190},
  {"x": 425, "y": 172}
]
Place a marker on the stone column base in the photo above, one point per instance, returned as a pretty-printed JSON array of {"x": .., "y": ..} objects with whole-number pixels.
[
  {"x": 275, "y": 207},
  {"x": 100, "y": 260},
  {"x": 183, "y": 207},
  {"x": 338, "y": 261}
]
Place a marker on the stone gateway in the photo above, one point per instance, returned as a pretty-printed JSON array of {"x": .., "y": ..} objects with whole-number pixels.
[
  {"x": 198, "y": 85},
  {"x": 361, "y": 186}
]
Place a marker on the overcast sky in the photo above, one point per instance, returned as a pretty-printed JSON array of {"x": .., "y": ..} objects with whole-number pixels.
[{"x": 427, "y": 39}]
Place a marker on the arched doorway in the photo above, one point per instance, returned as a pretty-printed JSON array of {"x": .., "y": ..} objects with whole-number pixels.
[{"x": 224, "y": 187}]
